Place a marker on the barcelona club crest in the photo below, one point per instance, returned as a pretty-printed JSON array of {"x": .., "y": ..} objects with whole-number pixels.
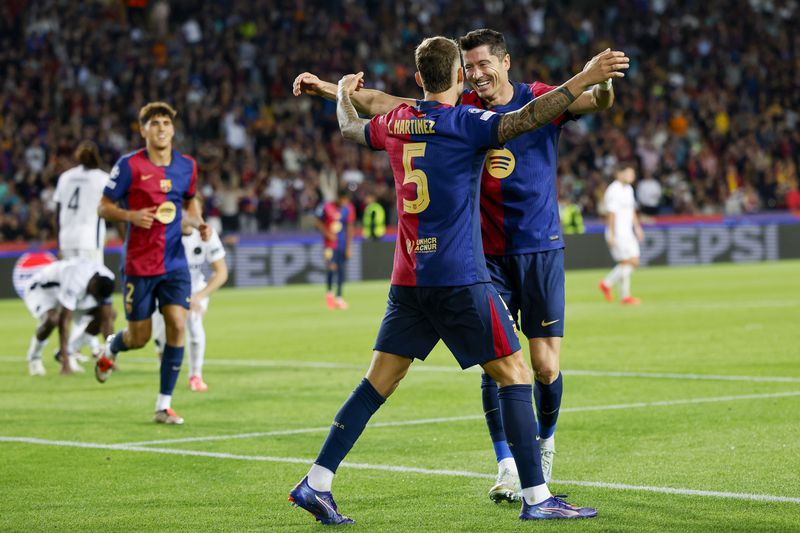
[{"x": 166, "y": 186}]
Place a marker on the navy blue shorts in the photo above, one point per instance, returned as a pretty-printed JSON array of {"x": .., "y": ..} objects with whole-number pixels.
[
  {"x": 141, "y": 293},
  {"x": 334, "y": 259},
  {"x": 533, "y": 287},
  {"x": 472, "y": 320}
]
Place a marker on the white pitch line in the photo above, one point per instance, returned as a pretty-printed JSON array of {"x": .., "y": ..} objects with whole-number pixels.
[
  {"x": 397, "y": 468},
  {"x": 638, "y": 405},
  {"x": 420, "y": 367}
]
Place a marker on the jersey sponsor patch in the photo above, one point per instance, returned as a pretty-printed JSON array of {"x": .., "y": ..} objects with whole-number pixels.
[
  {"x": 500, "y": 163},
  {"x": 487, "y": 115}
]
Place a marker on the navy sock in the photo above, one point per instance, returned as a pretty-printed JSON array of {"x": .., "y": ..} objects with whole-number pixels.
[
  {"x": 170, "y": 368},
  {"x": 330, "y": 280},
  {"x": 548, "y": 402},
  {"x": 494, "y": 421},
  {"x": 118, "y": 344},
  {"x": 339, "y": 280},
  {"x": 348, "y": 424},
  {"x": 517, "y": 410}
]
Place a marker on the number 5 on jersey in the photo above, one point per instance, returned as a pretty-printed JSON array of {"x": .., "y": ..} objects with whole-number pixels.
[{"x": 416, "y": 176}]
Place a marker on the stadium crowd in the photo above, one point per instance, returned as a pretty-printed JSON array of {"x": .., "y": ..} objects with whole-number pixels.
[{"x": 709, "y": 108}]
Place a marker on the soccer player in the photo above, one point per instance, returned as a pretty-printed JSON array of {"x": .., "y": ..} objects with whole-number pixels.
[
  {"x": 335, "y": 221},
  {"x": 82, "y": 233},
  {"x": 623, "y": 234},
  {"x": 520, "y": 225},
  {"x": 146, "y": 190},
  {"x": 54, "y": 294},
  {"x": 198, "y": 254},
  {"x": 441, "y": 288}
]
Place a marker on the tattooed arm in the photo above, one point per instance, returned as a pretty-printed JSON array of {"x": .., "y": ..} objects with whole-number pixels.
[
  {"x": 546, "y": 108},
  {"x": 350, "y": 123}
]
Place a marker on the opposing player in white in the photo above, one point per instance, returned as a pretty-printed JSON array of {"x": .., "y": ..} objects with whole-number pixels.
[
  {"x": 54, "y": 294},
  {"x": 198, "y": 253},
  {"x": 623, "y": 234},
  {"x": 81, "y": 232}
]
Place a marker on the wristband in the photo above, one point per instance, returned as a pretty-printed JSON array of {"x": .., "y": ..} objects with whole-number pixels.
[{"x": 605, "y": 86}]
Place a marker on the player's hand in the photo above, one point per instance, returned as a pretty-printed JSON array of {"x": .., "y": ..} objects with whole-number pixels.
[
  {"x": 195, "y": 306},
  {"x": 306, "y": 83},
  {"x": 347, "y": 253},
  {"x": 65, "y": 368},
  {"x": 607, "y": 64},
  {"x": 352, "y": 82},
  {"x": 205, "y": 231},
  {"x": 143, "y": 218}
]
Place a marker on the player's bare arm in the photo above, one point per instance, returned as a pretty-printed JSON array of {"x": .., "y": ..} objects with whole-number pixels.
[
  {"x": 219, "y": 275},
  {"x": 109, "y": 210},
  {"x": 194, "y": 218},
  {"x": 350, "y": 123},
  {"x": 610, "y": 224},
  {"x": 548, "y": 107},
  {"x": 369, "y": 102},
  {"x": 64, "y": 321},
  {"x": 637, "y": 227}
]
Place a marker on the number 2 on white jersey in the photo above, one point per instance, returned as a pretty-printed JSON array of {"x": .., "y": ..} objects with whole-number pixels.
[{"x": 416, "y": 176}]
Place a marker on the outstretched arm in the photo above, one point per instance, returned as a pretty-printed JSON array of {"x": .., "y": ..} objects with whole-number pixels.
[
  {"x": 369, "y": 102},
  {"x": 546, "y": 108},
  {"x": 350, "y": 123},
  {"x": 599, "y": 98}
]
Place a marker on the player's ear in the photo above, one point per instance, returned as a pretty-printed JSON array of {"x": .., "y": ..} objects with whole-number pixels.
[
  {"x": 141, "y": 131},
  {"x": 506, "y": 62},
  {"x": 460, "y": 78},
  {"x": 418, "y": 79}
]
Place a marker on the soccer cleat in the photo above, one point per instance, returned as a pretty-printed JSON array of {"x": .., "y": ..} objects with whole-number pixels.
[
  {"x": 330, "y": 301},
  {"x": 167, "y": 416},
  {"x": 341, "y": 304},
  {"x": 36, "y": 368},
  {"x": 630, "y": 300},
  {"x": 103, "y": 368},
  {"x": 319, "y": 504},
  {"x": 506, "y": 487},
  {"x": 548, "y": 451},
  {"x": 606, "y": 291},
  {"x": 554, "y": 508},
  {"x": 197, "y": 384}
]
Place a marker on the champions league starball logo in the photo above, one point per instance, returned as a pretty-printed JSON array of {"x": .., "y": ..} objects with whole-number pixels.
[{"x": 28, "y": 265}]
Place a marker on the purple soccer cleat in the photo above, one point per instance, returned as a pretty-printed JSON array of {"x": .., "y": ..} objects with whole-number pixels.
[
  {"x": 554, "y": 508},
  {"x": 319, "y": 504}
]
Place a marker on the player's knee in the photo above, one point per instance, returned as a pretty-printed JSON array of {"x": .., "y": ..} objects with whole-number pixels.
[
  {"x": 546, "y": 374},
  {"x": 510, "y": 370}
]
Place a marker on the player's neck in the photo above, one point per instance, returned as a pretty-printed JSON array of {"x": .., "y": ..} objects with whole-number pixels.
[
  {"x": 449, "y": 97},
  {"x": 160, "y": 157},
  {"x": 503, "y": 96}
]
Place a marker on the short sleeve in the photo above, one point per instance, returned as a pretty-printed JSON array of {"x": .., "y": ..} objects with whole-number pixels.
[
  {"x": 538, "y": 89},
  {"x": 375, "y": 132},
  {"x": 214, "y": 249},
  {"x": 192, "y": 190},
  {"x": 611, "y": 199},
  {"x": 479, "y": 126},
  {"x": 119, "y": 180}
]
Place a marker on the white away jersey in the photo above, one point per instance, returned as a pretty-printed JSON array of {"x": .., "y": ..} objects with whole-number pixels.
[
  {"x": 79, "y": 191},
  {"x": 619, "y": 200},
  {"x": 71, "y": 276},
  {"x": 198, "y": 253}
]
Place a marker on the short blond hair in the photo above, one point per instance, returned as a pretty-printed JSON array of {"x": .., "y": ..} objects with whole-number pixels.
[{"x": 153, "y": 109}]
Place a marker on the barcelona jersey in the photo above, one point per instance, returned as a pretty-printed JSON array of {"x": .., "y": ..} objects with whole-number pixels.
[
  {"x": 519, "y": 200},
  {"x": 136, "y": 183},
  {"x": 336, "y": 218},
  {"x": 436, "y": 152}
]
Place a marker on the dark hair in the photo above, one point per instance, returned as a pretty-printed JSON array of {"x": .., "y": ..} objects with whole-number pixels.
[
  {"x": 103, "y": 286},
  {"x": 156, "y": 109},
  {"x": 435, "y": 58},
  {"x": 343, "y": 192},
  {"x": 485, "y": 36},
  {"x": 88, "y": 155}
]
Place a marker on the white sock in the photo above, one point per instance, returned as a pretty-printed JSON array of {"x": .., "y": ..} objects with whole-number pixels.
[
  {"x": 613, "y": 276},
  {"x": 507, "y": 464},
  {"x": 196, "y": 344},
  {"x": 548, "y": 441},
  {"x": 35, "y": 349},
  {"x": 94, "y": 343},
  {"x": 320, "y": 478},
  {"x": 77, "y": 342},
  {"x": 164, "y": 401},
  {"x": 537, "y": 494},
  {"x": 625, "y": 288}
]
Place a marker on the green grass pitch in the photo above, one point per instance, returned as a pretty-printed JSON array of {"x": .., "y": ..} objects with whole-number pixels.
[{"x": 682, "y": 414}]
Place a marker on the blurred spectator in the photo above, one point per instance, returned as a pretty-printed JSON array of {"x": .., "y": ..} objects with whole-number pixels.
[{"x": 648, "y": 193}]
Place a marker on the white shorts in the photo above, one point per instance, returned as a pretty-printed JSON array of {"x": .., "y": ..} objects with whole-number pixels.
[
  {"x": 194, "y": 326},
  {"x": 92, "y": 254},
  {"x": 39, "y": 300},
  {"x": 624, "y": 249}
]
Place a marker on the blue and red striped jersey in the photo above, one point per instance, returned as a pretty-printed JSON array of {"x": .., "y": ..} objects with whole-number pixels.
[
  {"x": 336, "y": 218},
  {"x": 519, "y": 199},
  {"x": 136, "y": 183},
  {"x": 436, "y": 152}
]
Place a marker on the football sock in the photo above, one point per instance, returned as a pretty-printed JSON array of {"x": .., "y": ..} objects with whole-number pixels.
[
  {"x": 35, "y": 348},
  {"x": 537, "y": 494},
  {"x": 548, "y": 402},
  {"x": 330, "y": 280},
  {"x": 613, "y": 276},
  {"x": 164, "y": 401},
  {"x": 348, "y": 424},
  {"x": 625, "y": 289},
  {"x": 170, "y": 368},
  {"x": 117, "y": 344},
  {"x": 339, "y": 281},
  {"x": 197, "y": 345},
  {"x": 519, "y": 423},
  {"x": 491, "y": 410},
  {"x": 76, "y": 342},
  {"x": 320, "y": 478}
]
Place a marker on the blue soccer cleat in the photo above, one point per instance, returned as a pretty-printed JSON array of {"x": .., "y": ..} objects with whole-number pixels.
[
  {"x": 554, "y": 508},
  {"x": 319, "y": 504}
]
